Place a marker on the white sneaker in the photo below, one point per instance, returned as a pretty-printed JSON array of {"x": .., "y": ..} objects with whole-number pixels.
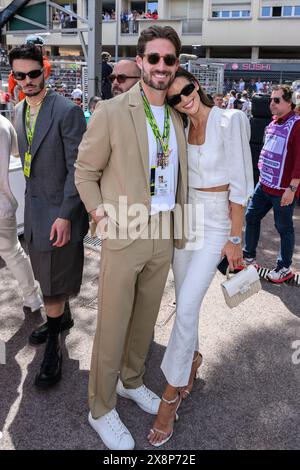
[
  {"x": 279, "y": 275},
  {"x": 112, "y": 431},
  {"x": 142, "y": 396},
  {"x": 35, "y": 300}
]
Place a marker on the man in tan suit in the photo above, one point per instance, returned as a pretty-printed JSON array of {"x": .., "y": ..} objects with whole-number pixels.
[{"x": 132, "y": 160}]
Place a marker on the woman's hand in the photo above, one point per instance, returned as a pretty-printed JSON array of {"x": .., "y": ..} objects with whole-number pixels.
[{"x": 234, "y": 255}]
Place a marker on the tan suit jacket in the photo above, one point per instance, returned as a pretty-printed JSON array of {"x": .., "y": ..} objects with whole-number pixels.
[{"x": 113, "y": 161}]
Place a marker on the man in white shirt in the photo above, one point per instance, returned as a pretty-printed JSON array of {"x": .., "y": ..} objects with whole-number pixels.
[
  {"x": 241, "y": 85},
  {"x": 132, "y": 161},
  {"x": 10, "y": 248},
  {"x": 76, "y": 93},
  {"x": 246, "y": 104},
  {"x": 232, "y": 98},
  {"x": 259, "y": 86}
]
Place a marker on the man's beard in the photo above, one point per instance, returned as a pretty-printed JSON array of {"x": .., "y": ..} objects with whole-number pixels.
[
  {"x": 159, "y": 85},
  {"x": 116, "y": 91},
  {"x": 41, "y": 86}
]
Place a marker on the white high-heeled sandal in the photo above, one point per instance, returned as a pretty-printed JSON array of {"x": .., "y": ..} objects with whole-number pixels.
[
  {"x": 176, "y": 418},
  {"x": 185, "y": 392}
]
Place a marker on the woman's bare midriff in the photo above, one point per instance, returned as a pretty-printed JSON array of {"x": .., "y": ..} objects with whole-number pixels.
[{"x": 216, "y": 189}]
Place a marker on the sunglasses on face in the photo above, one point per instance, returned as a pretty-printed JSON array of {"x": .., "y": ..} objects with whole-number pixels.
[
  {"x": 276, "y": 100},
  {"x": 121, "y": 77},
  {"x": 186, "y": 91},
  {"x": 154, "y": 58},
  {"x": 32, "y": 74}
]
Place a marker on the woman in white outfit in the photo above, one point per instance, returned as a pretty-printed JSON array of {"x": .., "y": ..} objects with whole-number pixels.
[{"x": 220, "y": 183}]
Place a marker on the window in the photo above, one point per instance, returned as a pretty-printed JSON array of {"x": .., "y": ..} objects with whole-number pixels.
[
  {"x": 287, "y": 11},
  {"x": 297, "y": 11},
  {"x": 152, "y": 6},
  {"x": 266, "y": 11},
  {"x": 277, "y": 11},
  {"x": 230, "y": 13}
]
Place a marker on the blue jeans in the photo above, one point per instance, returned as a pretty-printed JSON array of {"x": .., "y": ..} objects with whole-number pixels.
[{"x": 258, "y": 207}]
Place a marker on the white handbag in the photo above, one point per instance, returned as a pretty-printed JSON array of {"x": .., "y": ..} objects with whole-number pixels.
[{"x": 240, "y": 286}]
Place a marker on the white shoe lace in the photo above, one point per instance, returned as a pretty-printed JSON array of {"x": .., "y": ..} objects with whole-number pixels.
[
  {"x": 145, "y": 393},
  {"x": 115, "y": 424}
]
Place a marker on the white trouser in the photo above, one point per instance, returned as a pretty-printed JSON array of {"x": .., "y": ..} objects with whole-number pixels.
[
  {"x": 193, "y": 273},
  {"x": 18, "y": 263}
]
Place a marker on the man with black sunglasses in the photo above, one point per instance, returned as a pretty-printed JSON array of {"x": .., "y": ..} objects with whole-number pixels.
[
  {"x": 10, "y": 248},
  {"x": 49, "y": 129},
  {"x": 32, "y": 40},
  {"x": 278, "y": 187},
  {"x": 130, "y": 172},
  {"x": 125, "y": 74}
]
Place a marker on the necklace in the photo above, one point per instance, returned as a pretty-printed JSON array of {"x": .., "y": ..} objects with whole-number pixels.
[{"x": 36, "y": 104}]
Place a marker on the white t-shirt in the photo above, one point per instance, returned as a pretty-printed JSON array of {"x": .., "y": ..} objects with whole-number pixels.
[
  {"x": 166, "y": 202},
  {"x": 230, "y": 102},
  {"x": 259, "y": 86}
]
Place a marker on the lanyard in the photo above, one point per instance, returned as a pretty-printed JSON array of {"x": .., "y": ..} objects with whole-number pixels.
[
  {"x": 30, "y": 130},
  {"x": 163, "y": 139}
]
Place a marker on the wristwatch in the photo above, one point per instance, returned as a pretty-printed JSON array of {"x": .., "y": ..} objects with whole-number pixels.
[
  {"x": 293, "y": 188},
  {"x": 235, "y": 240}
]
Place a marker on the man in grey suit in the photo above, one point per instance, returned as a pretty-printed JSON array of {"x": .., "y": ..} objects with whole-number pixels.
[{"x": 49, "y": 129}]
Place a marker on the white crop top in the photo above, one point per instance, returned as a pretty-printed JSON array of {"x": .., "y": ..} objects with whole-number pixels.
[{"x": 225, "y": 156}]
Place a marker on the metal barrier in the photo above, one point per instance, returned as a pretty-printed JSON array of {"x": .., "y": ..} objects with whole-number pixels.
[
  {"x": 65, "y": 75},
  {"x": 9, "y": 113},
  {"x": 210, "y": 76}
]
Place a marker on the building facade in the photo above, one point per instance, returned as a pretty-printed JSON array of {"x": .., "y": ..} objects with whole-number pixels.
[{"x": 248, "y": 30}]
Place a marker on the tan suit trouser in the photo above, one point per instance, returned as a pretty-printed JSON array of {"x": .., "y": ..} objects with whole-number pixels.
[{"x": 131, "y": 285}]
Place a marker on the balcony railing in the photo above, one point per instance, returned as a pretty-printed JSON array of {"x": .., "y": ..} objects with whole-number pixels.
[{"x": 129, "y": 26}]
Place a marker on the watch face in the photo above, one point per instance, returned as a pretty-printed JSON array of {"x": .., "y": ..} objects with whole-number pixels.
[{"x": 235, "y": 240}]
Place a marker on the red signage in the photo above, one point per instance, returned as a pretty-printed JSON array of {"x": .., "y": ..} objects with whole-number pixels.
[{"x": 247, "y": 66}]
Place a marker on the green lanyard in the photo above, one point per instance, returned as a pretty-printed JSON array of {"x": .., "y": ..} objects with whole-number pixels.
[
  {"x": 163, "y": 139},
  {"x": 30, "y": 130}
]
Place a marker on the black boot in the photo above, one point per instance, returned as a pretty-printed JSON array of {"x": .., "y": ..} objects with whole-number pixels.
[
  {"x": 40, "y": 335},
  {"x": 50, "y": 372}
]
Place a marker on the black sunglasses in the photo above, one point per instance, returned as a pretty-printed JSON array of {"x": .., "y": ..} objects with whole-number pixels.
[
  {"x": 276, "y": 100},
  {"x": 121, "y": 77},
  {"x": 186, "y": 91},
  {"x": 153, "y": 58},
  {"x": 32, "y": 74}
]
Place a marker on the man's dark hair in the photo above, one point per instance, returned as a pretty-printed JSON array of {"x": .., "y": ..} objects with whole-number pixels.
[
  {"x": 158, "y": 32},
  {"x": 26, "y": 52}
]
